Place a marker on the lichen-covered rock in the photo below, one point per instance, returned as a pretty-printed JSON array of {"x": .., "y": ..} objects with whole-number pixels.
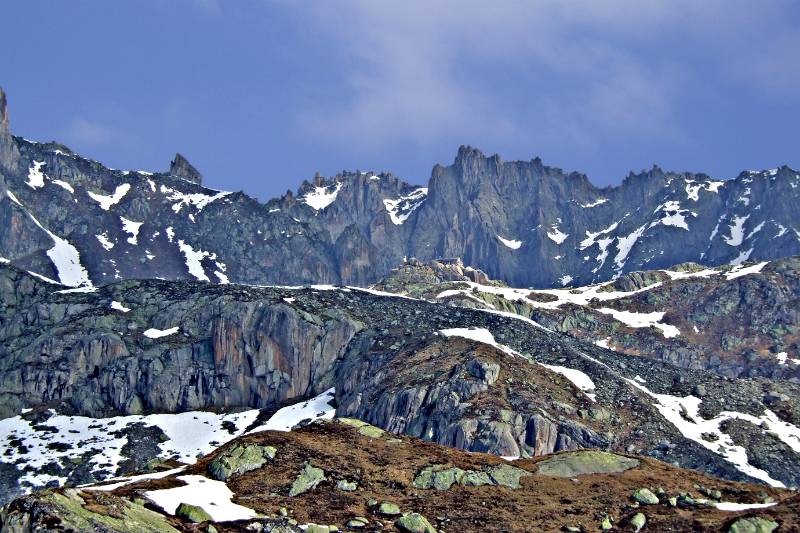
[
  {"x": 388, "y": 509},
  {"x": 41, "y": 511},
  {"x": 584, "y": 462},
  {"x": 308, "y": 478},
  {"x": 638, "y": 522},
  {"x": 240, "y": 459},
  {"x": 192, "y": 513},
  {"x": 645, "y": 496},
  {"x": 754, "y": 524},
  {"x": 414, "y": 523},
  {"x": 507, "y": 475},
  {"x": 440, "y": 477},
  {"x": 347, "y": 486}
]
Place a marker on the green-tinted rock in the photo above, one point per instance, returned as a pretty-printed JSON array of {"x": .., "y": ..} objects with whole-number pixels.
[
  {"x": 347, "y": 486},
  {"x": 645, "y": 497},
  {"x": 371, "y": 431},
  {"x": 472, "y": 478},
  {"x": 445, "y": 479},
  {"x": 753, "y": 525},
  {"x": 638, "y": 521},
  {"x": 211, "y": 529},
  {"x": 572, "y": 464},
  {"x": 363, "y": 428},
  {"x": 354, "y": 422},
  {"x": 437, "y": 476},
  {"x": 414, "y": 523},
  {"x": 507, "y": 475},
  {"x": 308, "y": 478},
  {"x": 358, "y": 522},
  {"x": 388, "y": 509},
  {"x": 73, "y": 516},
  {"x": 192, "y": 513},
  {"x": 606, "y": 524},
  {"x": 316, "y": 528},
  {"x": 240, "y": 459}
]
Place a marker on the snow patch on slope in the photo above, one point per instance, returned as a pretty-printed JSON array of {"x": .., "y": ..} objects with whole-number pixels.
[
  {"x": 642, "y": 320},
  {"x": 514, "y": 245},
  {"x": 400, "y": 209},
  {"x": 683, "y": 413},
  {"x": 132, "y": 228},
  {"x": 321, "y": 197},
  {"x": 556, "y": 235},
  {"x": 212, "y": 495},
  {"x": 737, "y": 231},
  {"x": 106, "y": 201},
  {"x": 317, "y": 408},
  {"x": 36, "y": 176}
]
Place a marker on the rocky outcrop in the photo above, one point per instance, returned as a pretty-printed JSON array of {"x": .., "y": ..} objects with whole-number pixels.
[
  {"x": 9, "y": 153},
  {"x": 458, "y": 408},
  {"x": 224, "y": 353},
  {"x": 181, "y": 168}
]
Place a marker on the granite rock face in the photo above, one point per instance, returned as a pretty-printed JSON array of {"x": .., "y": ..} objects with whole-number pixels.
[{"x": 76, "y": 221}]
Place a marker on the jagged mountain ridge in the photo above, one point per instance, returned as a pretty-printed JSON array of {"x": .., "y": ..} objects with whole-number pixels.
[{"x": 76, "y": 221}]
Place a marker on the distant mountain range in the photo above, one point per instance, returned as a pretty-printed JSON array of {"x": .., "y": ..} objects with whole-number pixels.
[{"x": 75, "y": 221}]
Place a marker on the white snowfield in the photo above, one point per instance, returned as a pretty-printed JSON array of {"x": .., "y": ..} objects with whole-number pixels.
[
  {"x": 321, "y": 197},
  {"x": 481, "y": 335},
  {"x": 317, "y": 408},
  {"x": 131, "y": 228},
  {"x": 153, "y": 333},
  {"x": 189, "y": 434},
  {"x": 400, "y": 209},
  {"x": 683, "y": 413},
  {"x": 578, "y": 378},
  {"x": 64, "y": 256},
  {"x": 212, "y": 495},
  {"x": 556, "y": 235},
  {"x": 117, "y": 306},
  {"x": 36, "y": 176},
  {"x": 642, "y": 320},
  {"x": 106, "y": 201},
  {"x": 510, "y": 243},
  {"x": 599, "y": 201},
  {"x": 197, "y": 200}
]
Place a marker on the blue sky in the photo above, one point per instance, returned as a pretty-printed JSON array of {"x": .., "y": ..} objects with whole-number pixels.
[{"x": 261, "y": 94}]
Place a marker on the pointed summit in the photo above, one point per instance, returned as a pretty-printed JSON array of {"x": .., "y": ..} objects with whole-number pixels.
[
  {"x": 181, "y": 168},
  {"x": 9, "y": 153},
  {"x": 4, "y": 128}
]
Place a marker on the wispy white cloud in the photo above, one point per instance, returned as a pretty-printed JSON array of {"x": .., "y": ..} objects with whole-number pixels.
[
  {"x": 422, "y": 71},
  {"x": 82, "y": 131}
]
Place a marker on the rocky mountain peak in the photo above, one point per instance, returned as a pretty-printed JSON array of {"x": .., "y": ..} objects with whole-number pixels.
[
  {"x": 181, "y": 168},
  {"x": 4, "y": 128},
  {"x": 9, "y": 153}
]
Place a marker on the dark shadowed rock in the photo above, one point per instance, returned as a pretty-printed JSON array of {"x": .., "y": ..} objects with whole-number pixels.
[
  {"x": 181, "y": 168},
  {"x": 9, "y": 153}
]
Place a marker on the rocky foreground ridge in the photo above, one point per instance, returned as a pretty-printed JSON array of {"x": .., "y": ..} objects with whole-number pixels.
[
  {"x": 347, "y": 476},
  {"x": 74, "y": 220},
  {"x": 483, "y": 381}
]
